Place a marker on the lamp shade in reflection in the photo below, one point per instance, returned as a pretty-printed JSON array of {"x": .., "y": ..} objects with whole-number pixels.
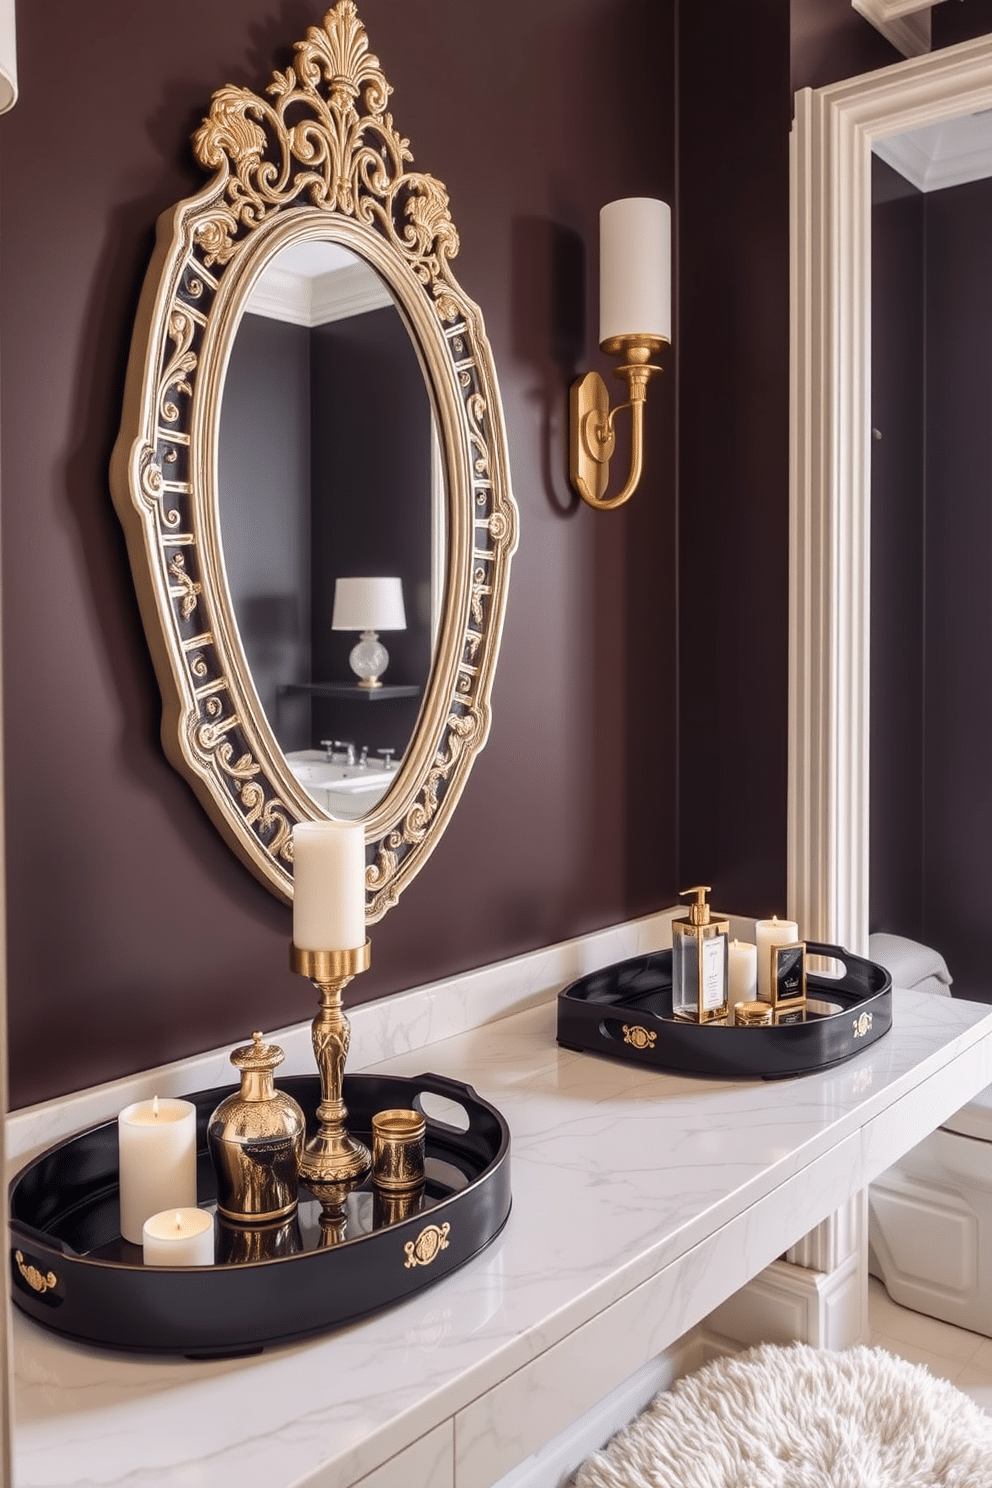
[
  {"x": 635, "y": 268},
  {"x": 368, "y": 604}
]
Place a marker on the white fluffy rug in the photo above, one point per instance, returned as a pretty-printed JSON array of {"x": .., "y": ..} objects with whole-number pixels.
[{"x": 801, "y": 1418}]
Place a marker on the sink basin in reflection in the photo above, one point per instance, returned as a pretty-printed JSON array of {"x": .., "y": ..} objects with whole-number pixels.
[
  {"x": 339, "y": 777},
  {"x": 343, "y": 790}
]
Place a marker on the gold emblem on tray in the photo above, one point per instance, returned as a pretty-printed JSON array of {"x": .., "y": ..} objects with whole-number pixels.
[
  {"x": 862, "y": 1025},
  {"x": 427, "y": 1246},
  {"x": 641, "y": 1038},
  {"x": 33, "y": 1276}
]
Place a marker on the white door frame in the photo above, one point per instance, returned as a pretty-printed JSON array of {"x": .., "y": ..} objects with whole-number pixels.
[{"x": 829, "y": 600}]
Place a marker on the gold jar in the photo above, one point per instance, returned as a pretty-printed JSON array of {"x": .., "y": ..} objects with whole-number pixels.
[
  {"x": 753, "y": 1015},
  {"x": 398, "y": 1150},
  {"x": 255, "y": 1138}
]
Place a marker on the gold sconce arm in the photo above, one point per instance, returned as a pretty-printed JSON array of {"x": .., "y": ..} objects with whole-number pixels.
[{"x": 592, "y": 433}]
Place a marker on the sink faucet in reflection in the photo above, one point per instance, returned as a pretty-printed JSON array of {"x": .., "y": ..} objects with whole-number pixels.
[
  {"x": 346, "y": 787},
  {"x": 337, "y": 752}
]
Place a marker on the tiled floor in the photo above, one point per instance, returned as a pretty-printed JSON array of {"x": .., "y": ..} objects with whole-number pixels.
[{"x": 953, "y": 1353}]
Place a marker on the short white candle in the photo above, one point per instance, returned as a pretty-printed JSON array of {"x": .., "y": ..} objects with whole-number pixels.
[
  {"x": 635, "y": 268},
  {"x": 328, "y": 886},
  {"x": 157, "y": 1149},
  {"x": 770, "y": 933},
  {"x": 742, "y": 969},
  {"x": 179, "y": 1237}
]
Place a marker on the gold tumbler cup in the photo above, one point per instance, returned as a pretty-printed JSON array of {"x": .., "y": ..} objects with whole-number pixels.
[{"x": 398, "y": 1150}]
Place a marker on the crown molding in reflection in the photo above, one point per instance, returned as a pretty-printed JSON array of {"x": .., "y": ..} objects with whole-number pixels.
[
  {"x": 950, "y": 153},
  {"x": 316, "y": 299}
]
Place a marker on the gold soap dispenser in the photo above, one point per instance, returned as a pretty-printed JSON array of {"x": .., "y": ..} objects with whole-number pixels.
[
  {"x": 699, "y": 962},
  {"x": 255, "y": 1138}
]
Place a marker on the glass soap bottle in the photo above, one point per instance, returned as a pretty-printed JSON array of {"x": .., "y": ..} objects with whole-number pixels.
[{"x": 699, "y": 962}]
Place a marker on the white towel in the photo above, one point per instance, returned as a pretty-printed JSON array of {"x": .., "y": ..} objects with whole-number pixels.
[{"x": 917, "y": 967}]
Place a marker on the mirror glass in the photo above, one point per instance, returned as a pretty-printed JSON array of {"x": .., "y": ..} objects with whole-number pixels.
[{"x": 329, "y": 469}]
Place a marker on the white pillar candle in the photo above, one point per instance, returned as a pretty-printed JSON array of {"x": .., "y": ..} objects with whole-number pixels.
[
  {"x": 635, "y": 268},
  {"x": 178, "y": 1237},
  {"x": 770, "y": 933},
  {"x": 157, "y": 1159},
  {"x": 742, "y": 971},
  {"x": 328, "y": 886}
]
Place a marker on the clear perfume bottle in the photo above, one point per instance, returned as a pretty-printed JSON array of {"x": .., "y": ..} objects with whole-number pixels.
[{"x": 699, "y": 962}]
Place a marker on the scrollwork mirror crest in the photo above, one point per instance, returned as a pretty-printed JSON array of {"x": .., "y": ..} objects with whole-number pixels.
[{"x": 318, "y": 159}]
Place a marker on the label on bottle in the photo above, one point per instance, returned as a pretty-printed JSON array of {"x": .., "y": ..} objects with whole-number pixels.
[
  {"x": 789, "y": 973},
  {"x": 714, "y": 978}
]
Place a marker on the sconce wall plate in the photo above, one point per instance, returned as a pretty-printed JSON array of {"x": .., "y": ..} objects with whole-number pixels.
[{"x": 592, "y": 426}]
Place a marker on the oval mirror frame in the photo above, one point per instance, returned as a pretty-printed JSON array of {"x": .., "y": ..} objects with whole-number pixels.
[{"x": 322, "y": 159}]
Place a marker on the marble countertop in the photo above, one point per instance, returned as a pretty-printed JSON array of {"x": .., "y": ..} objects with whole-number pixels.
[{"x": 618, "y": 1172}]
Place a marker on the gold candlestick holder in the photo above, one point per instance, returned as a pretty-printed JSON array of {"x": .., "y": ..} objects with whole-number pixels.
[{"x": 331, "y": 1157}]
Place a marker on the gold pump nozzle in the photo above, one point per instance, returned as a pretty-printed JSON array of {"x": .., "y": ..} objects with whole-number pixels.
[{"x": 699, "y": 913}]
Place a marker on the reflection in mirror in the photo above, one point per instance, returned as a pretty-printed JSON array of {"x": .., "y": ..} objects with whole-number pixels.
[
  {"x": 931, "y": 470},
  {"x": 320, "y": 481}
]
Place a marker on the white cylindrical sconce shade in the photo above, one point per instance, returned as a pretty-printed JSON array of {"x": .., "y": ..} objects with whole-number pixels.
[
  {"x": 368, "y": 604},
  {"x": 635, "y": 268},
  {"x": 329, "y": 886},
  {"x": 8, "y": 56}
]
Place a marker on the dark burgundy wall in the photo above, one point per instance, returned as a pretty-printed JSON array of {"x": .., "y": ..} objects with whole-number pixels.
[
  {"x": 383, "y": 526},
  {"x": 263, "y": 495},
  {"x": 931, "y": 716},
  {"x": 734, "y": 449},
  {"x": 959, "y": 20},
  {"x": 958, "y": 657},
  {"x": 898, "y": 453},
  {"x": 733, "y": 417},
  {"x": 134, "y": 935},
  {"x": 831, "y": 41}
]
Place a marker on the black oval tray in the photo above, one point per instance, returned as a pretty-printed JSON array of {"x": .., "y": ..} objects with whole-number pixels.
[
  {"x": 72, "y": 1272},
  {"x": 625, "y": 1011}
]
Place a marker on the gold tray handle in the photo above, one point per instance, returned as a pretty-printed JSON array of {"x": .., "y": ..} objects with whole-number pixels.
[{"x": 35, "y": 1280}]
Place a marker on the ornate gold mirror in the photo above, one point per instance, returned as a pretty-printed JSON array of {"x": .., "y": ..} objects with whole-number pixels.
[{"x": 311, "y": 398}]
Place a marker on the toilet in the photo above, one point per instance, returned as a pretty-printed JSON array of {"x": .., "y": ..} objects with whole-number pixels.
[{"x": 930, "y": 1215}]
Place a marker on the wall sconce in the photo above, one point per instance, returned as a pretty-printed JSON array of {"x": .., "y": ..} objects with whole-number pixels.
[
  {"x": 368, "y": 605},
  {"x": 635, "y": 322}
]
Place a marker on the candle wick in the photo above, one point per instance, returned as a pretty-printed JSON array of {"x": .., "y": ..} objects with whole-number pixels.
[
  {"x": 155, "y": 1105},
  {"x": 179, "y": 1222}
]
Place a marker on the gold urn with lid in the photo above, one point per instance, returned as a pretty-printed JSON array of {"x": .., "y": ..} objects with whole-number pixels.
[{"x": 255, "y": 1138}]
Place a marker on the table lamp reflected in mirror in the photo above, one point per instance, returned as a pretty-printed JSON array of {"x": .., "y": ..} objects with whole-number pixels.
[{"x": 368, "y": 606}]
